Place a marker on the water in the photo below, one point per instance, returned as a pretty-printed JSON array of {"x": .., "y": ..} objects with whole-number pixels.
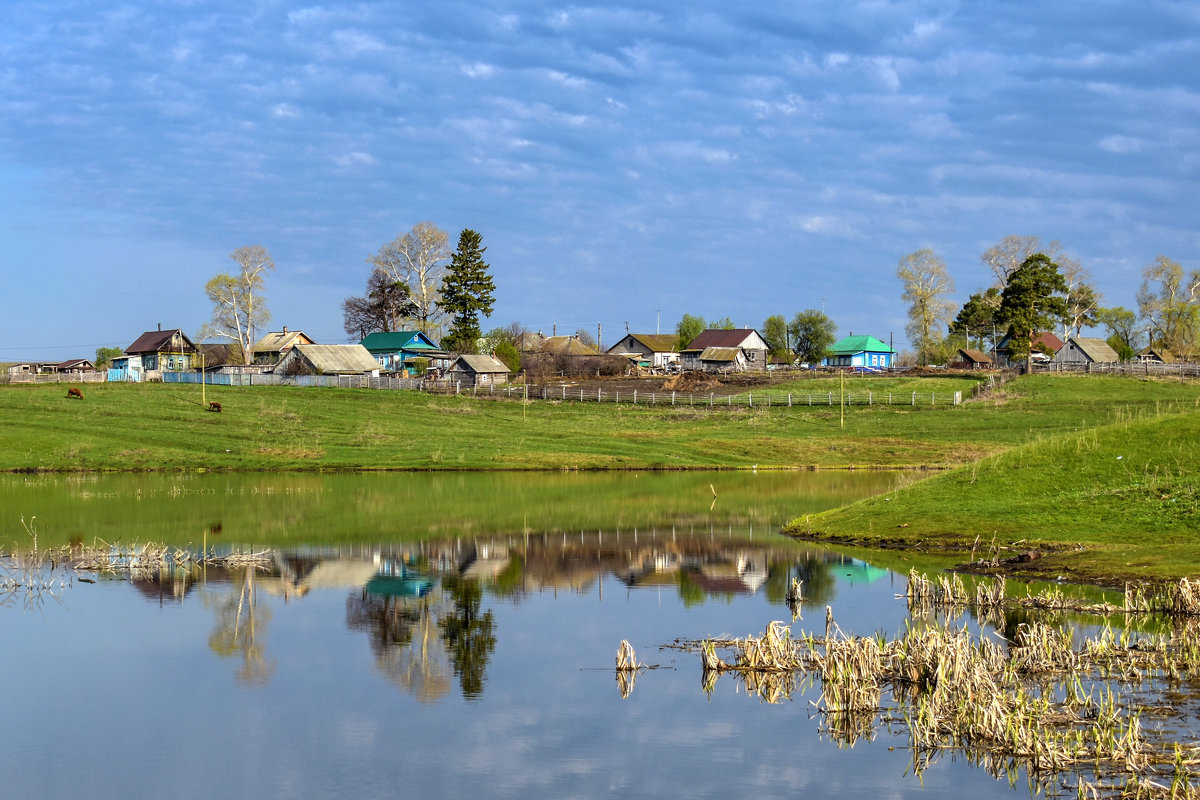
[{"x": 464, "y": 645}]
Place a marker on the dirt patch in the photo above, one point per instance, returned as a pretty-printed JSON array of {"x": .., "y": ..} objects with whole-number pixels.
[{"x": 691, "y": 382}]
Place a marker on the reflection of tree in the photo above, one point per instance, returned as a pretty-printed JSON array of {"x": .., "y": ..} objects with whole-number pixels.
[
  {"x": 469, "y": 636},
  {"x": 238, "y": 625},
  {"x": 404, "y": 638},
  {"x": 817, "y": 576},
  {"x": 689, "y": 591}
]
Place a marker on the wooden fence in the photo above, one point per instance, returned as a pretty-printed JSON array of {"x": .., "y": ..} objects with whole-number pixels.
[
  {"x": 55, "y": 377},
  {"x": 1128, "y": 368}
]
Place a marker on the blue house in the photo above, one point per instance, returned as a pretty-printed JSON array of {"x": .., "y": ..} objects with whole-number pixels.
[
  {"x": 395, "y": 350},
  {"x": 859, "y": 351}
]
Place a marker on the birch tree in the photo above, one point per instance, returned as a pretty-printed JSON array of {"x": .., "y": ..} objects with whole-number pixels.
[
  {"x": 1169, "y": 302},
  {"x": 1083, "y": 301},
  {"x": 1006, "y": 256},
  {"x": 927, "y": 283},
  {"x": 239, "y": 310},
  {"x": 418, "y": 259}
]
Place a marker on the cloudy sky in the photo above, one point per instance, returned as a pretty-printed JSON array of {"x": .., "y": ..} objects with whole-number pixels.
[{"x": 624, "y": 162}]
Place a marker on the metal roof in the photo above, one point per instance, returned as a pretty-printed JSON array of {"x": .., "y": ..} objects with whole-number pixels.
[
  {"x": 655, "y": 342},
  {"x": 849, "y": 345},
  {"x": 393, "y": 341},
  {"x": 1096, "y": 349},
  {"x": 338, "y": 358},
  {"x": 723, "y": 354},
  {"x": 481, "y": 363}
]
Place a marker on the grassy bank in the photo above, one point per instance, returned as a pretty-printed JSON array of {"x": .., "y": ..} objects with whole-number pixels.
[
  {"x": 1100, "y": 504},
  {"x": 164, "y": 426}
]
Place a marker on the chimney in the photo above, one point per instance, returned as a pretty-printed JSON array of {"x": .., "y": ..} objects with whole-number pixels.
[
  {"x": 285, "y": 328},
  {"x": 160, "y": 326}
]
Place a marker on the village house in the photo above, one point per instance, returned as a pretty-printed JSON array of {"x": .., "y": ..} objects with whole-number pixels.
[
  {"x": 1045, "y": 346},
  {"x": 736, "y": 350},
  {"x": 477, "y": 370},
  {"x": 396, "y": 350},
  {"x": 859, "y": 351},
  {"x": 648, "y": 350},
  {"x": 1086, "y": 350},
  {"x": 152, "y": 354},
  {"x": 328, "y": 359},
  {"x": 971, "y": 359},
  {"x": 271, "y": 348}
]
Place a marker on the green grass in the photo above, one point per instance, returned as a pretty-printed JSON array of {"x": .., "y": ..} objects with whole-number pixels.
[{"x": 164, "y": 427}]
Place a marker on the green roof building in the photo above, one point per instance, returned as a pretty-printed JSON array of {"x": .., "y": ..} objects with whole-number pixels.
[{"x": 859, "y": 351}]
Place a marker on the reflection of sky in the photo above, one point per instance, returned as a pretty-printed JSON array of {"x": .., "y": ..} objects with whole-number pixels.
[{"x": 110, "y": 684}]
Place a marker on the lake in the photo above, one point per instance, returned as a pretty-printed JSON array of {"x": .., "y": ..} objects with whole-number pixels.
[{"x": 438, "y": 635}]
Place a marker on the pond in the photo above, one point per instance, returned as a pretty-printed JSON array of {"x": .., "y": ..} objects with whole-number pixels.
[{"x": 439, "y": 635}]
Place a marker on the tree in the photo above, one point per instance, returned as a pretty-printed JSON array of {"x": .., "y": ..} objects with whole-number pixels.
[
  {"x": 812, "y": 333},
  {"x": 775, "y": 331},
  {"x": 723, "y": 324},
  {"x": 926, "y": 284},
  {"x": 1033, "y": 300},
  {"x": 585, "y": 337},
  {"x": 417, "y": 259},
  {"x": 238, "y": 308},
  {"x": 1007, "y": 256},
  {"x": 977, "y": 318},
  {"x": 687, "y": 329},
  {"x": 1083, "y": 301},
  {"x": 384, "y": 307},
  {"x": 467, "y": 292},
  {"x": 1169, "y": 301},
  {"x": 105, "y": 356},
  {"x": 1121, "y": 325}
]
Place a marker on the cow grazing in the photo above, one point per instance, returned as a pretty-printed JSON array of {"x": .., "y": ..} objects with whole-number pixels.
[
  {"x": 73, "y": 391},
  {"x": 214, "y": 406}
]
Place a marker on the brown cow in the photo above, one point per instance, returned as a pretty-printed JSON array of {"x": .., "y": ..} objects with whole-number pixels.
[
  {"x": 73, "y": 391},
  {"x": 214, "y": 406}
]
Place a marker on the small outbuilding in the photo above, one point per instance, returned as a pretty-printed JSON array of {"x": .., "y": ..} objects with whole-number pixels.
[
  {"x": 1086, "y": 350},
  {"x": 328, "y": 359},
  {"x": 717, "y": 342},
  {"x": 972, "y": 359},
  {"x": 477, "y": 370},
  {"x": 1156, "y": 355}
]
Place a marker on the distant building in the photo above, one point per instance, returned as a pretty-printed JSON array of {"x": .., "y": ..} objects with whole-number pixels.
[
  {"x": 652, "y": 350},
  {"x": 859, "y": 351},
  {"x": 396, "y": 350},
  {"x": 710, "y": 351},
  {"x": 271, "y": 348},
  {"x": 1045, "y": 346},
  {"x": 328, "y": 359},
  {"x": 477, "y": 370},
  {"x": 972, "y": 359},
  {"x": 1085, "y": 350},
  {"x": 153, "y": 353}
]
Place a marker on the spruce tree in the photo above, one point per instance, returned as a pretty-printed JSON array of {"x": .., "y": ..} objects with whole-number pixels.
[{"x": 467, "y": 292}]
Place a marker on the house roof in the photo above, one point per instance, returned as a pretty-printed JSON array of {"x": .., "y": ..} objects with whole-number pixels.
[
  {"x": 157, "y": 342},
  {"x": 481, "y": 363},
  {"x": 218, "y": 354},
  {"x": 275, "y": 341},
  {"x": 722, "y": 338},
  {"x": 1096, "y": 349},
  {"x": 566, "y": 346},
  {"x": 976, "y": 356},
  {"x": 1045, "y": 338},
  {"x": 720, "y": 354},
  {"x": 338, "y": 358},
  {"x": 393, "y": 341},
  {"x": 656, "y": 342},
  {"x": 849, "y": 345},
  {"x": 73, "y": 363}
]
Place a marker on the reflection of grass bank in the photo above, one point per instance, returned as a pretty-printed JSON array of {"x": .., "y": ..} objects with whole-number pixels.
[
  {"x": 164, "y": 427},
  {"x": 1096, "y": 505}
]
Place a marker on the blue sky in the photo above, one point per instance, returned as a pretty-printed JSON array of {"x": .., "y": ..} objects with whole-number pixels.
[{"x": 625, "y": 162}]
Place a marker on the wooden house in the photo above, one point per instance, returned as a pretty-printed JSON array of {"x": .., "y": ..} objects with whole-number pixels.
[
  {"x": 396, "y": 350},
  {"x": 477, "y": 370},
  {"x": 156, "y": 352},
  {"x": 1086, "y": 350},
  {"x": 648, "y": 350},
  {"x": 271, "y": 348},
  {"x": 751, "y": 358},
  {"x": 971, "y": 359},
  {"x": 1045, "y": 346},
  {"x": 859, "y": 351},
  {"x": 328, "y": 359}
]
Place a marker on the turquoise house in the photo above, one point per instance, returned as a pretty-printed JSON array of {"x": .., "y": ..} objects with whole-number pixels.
[
  {"x": 395, "y": 350},
  {"x": 859, "y": 351}
]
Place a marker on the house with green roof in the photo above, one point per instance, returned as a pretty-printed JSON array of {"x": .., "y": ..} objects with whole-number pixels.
[
  {"x": 395, "y": 350},
  {"x": 859, "y": 351}
]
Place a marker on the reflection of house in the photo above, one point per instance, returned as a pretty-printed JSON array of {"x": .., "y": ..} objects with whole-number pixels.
[
  {"x": 736, "y": 350},
  {"x": 648, "y": 349},
  {"x": 1085, "y": 350},
  {"x": 396, "y": 350},
  {"x": 859, "y": 351},
  {"x": 156, "y": 351},
  {"x": 477, "y": 370},
  {"x": 270, "y": 349},
  {"x": 328, "y": 359},
  {"x": 1045, "y": 345}
]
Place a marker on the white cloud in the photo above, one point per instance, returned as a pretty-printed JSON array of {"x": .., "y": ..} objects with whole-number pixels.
[
  {"x": 354, "y": 42},
  {"x": 1120, "y": 144},
  {"x": 285, "y": 111},
  {"x": 356, "y": 158},
  {"x": 478, "y": 70}
]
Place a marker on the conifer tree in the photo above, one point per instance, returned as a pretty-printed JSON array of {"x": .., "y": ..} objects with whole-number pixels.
[{"x": 467, "y": 292}]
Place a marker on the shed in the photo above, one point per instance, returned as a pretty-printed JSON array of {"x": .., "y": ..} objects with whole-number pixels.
[
  {"x": 1045, "y": 346},
  {"x": 1086, "y": 350},
  {"x": 272, "y": 347},
  {"x": 648, "y": 349},
  {"x": 477, "y": 370},
  {"x": 328, "y": 359},
  {"x": 972, "y": 359},
  {"x": 75, "y": 365},
  {"x": 753, "y": 346},
  {"x": 1156, "y": 355}
]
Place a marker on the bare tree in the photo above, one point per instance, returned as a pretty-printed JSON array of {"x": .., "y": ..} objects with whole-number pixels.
[
  {"x": 927, "y": 282},
  {"x": 385, "y": 305},
  {"x": 238, "y": 307},
  {"x": 418, "y": 259},
  {"x": 1169, "y": 302},
  {"x": 1083, "y": 301},
  {"x": 1007, "y": 256}
]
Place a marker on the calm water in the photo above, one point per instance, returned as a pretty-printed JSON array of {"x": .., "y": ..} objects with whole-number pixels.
[{"x": 433, "y": 635}]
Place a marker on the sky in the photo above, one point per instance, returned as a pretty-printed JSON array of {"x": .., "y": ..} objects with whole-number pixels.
[{"x": 625, "y": 163}]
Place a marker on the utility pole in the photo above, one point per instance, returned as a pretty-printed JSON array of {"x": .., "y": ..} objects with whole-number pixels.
[
  {"x": 658, "y": 321},
  {"x": 599, "y": 346}
]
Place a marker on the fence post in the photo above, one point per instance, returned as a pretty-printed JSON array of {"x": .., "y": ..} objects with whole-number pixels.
[
  {"x": 957, "y": 398},
  {"x": 672, "y": 398},
  {"x": 581, "y": 395},
  {"x": 914, "y": 400},
  {"x": 789, "y": 399},
  {"x": 870, "y": 398},
  {"x": 933, "y": 398},
  {"x": 564, "y": 391},
  {"x": 598, "y": 391},
  {"x": 618, "y": 400},
  {"x": 457, "y": 387},
  {"x": 750, "y": 399},
  {"x": 635, "y": 397},
  {"x": 831, "y": 398}
]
